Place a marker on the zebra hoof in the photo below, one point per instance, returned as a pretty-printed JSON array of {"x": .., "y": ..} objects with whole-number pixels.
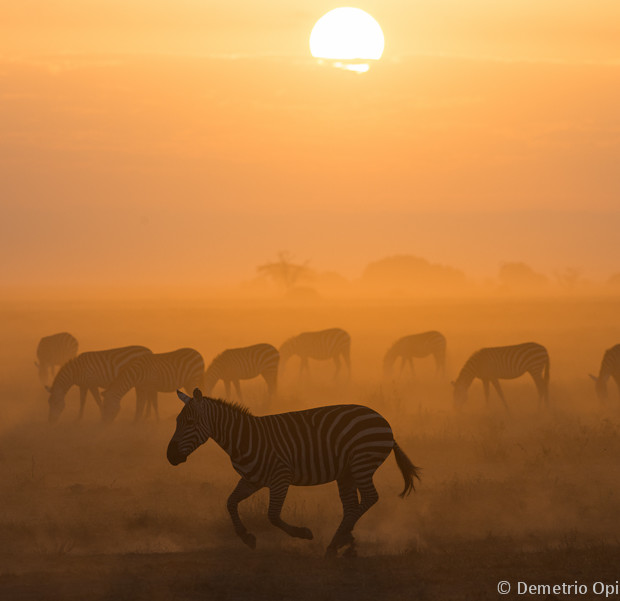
[{"x": 249, "y": 540}]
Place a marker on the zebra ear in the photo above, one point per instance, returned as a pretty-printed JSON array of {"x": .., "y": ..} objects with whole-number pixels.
[
  {"x": 594, "y": 378},
  {"x": 183, "y": 397},
  {"x": 197, "y": 395}
]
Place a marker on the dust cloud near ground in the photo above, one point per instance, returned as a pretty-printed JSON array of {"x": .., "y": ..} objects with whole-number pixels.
[{"x": 95, "y": 509}]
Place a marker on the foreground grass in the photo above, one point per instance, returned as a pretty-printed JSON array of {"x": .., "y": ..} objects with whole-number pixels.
[{"x": 465, "y": 572}]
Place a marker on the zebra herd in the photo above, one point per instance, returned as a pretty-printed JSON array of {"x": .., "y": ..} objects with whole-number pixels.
[
  {"x": 342, "y": 443},
  {"x": 121, "y": 369}
]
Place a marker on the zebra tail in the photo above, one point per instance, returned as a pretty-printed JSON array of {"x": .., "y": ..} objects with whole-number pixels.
[{"x": 408, "y": 470}]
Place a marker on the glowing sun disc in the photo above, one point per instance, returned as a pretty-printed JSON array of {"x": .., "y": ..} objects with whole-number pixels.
[{"x": 347, "y": 34}]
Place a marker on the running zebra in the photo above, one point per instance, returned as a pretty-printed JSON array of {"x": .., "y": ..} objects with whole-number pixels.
[
  {"x": 244, "y": 363},
  {"x": 610, "y": 367},
  {"x": 150, "y": 374},
  {"x": 54, "y": 351},
  {"x": 505, "y": 363},
  {"x": 346, "y": 443},
  {"x": 416, "y": 345},
  {"x": 323, "y": 345},
  {"x": 90, "y": 371}
]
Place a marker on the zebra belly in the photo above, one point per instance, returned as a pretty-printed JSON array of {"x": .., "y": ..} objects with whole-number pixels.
[{"x": 501, "y": 374}]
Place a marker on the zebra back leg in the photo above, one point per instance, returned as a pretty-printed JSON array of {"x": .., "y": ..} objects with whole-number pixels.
[
  {"x": 440, "y": 362},
  {"x": 336, "y": 360},
  {"x": 350, "y": 507},
  {"x": 542, "y": 388},
  {"x": 353, "y": 510},
  {"x": 303, "y": 367},
  {"x": 346, "y": 355},
  {"x": 411, "y": 368},
  {"x": 271, "y": 379},
  {"x": 500, "y": 393},
  {"x": 277, "y": 495},
  {"x": 243, "y": 490},
  {"x": 153, "y": 402}
]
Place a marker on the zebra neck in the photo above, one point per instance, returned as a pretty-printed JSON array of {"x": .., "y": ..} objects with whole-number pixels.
[
  {"x": 64, "y": 379},
  {"x": 126, "y": 380},
  {"x": 466, "y": 377},
  {"x": 229, "y": 426}
]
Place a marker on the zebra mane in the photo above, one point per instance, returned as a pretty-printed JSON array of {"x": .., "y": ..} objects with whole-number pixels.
[{"x": 237, "y": 407}]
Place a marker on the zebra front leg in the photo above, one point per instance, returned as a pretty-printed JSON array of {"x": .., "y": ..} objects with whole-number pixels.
[
  {"x": 141, "y": 401},
  {"x": 277, "y": 494},
  {"x": 337, "y": 364},
  {"x": 243, "y": 490},
  {"x": 485, "y": 385},
  {"x": 83, "y": 393},
  {"x": 153, "y": 402},
  {"x": 500, "y": 393},
  {"x": 227, "y": 387},
  {"x": 238, "y": 389}
]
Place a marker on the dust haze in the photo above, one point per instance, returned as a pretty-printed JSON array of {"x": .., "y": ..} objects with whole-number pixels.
[{"x": 536, "y": 483}]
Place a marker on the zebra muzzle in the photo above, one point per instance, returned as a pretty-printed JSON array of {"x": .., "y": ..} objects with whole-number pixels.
[{"x": 174, "y": 457}]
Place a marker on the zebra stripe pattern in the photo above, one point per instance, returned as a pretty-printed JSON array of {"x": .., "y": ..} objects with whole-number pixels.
[
  {"x": 334, "y": 344},
  {"x": 244, "y": 363},
  {"x": 610, "y": 368},
  {"x": 505, "y": 362},
  {"x": 90, "y": 371},
  {"x": 54, "y": 351},
  {"x": 416, "y": 345},
  {"x": 150, "y": 374},
  {"x": 346, "y": 443}
]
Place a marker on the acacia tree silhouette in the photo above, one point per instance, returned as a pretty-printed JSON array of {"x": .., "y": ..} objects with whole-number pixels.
[{"x": 284, "y": 272}]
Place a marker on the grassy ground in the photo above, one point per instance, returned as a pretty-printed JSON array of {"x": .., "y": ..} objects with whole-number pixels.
[{"x": 89, "y": 511}]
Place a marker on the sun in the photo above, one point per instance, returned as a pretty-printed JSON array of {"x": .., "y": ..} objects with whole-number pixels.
[{"x": 347, "y": 34}]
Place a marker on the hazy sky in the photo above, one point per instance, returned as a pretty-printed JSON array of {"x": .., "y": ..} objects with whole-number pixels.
[{"x": 160, "y": 141}]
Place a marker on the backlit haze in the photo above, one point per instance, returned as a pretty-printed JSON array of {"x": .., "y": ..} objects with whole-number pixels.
[{"x": 163, "y": 144}]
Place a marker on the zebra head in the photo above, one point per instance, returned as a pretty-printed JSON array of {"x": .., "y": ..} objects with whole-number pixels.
[
  {"x": 192, "y": 428},
  {"x": 56, "y": 403},
  {"x": 286, "y": 351},
  {"x": 600, "y": 385},
  {"x": 459, "y": 393}
]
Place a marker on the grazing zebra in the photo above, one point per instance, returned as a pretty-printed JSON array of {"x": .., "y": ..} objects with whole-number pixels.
[
  {"x": 323, "y": 345},
  {"x": 150, "y": 374},
  {"x": 505, "y": 362},
  {"x": 54, "y": 351},
  {"x": 416, "y": 345},
  {"x": 90, "y": 371},
  {"x": 244, "y": 363},
  {"x": 346, "y": 443},
  {"x": 610, "y": 367}
]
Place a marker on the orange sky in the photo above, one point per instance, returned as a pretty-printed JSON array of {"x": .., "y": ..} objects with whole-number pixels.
[{"x": 155, "y": 140}]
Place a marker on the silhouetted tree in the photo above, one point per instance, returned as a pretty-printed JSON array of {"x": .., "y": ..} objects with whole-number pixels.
[
  {"x": 520, "y": 277},
  {"x": 408, "y": 271},
  {"x": 284, "y": 272}
]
